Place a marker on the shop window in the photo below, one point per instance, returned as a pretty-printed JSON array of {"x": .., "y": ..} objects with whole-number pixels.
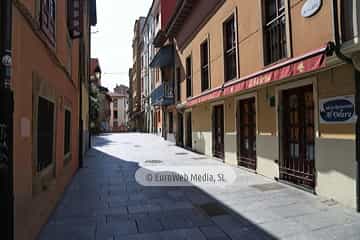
[
  {"x": 188, "y": 77},
  {"x": 67, "y": 133},
  {"x": 204, "y": 48},
  {"x": 230, "y": 49},
  {"x": 48, "y": 19},
  {"x": 45, "y": 133},
  {"x": 275, "y": 40},
  {"x": 171, "y": 122}
]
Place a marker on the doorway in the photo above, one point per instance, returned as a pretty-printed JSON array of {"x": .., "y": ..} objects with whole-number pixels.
[
  {"x": 246, "y": 133},
  {"x": 218, "y": 131},
  {"x": 188, "y": 142},
  {"x": 180, "y": 129},
  {"x": 298, "y": 139}
]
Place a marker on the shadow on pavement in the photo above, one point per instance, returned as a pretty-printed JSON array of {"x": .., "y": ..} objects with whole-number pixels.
[{"x": 104, "y": 201}]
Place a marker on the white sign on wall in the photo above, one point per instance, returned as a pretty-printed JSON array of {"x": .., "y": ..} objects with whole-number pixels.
[
  {"x": 338, "y": 110},
  {"x": 311, "y": 7}
]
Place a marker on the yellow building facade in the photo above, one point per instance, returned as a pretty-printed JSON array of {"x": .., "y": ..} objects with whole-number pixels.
[{"x": 287, "y": 113}]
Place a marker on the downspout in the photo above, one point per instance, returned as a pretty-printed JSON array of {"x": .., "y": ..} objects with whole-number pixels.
[
  {"x": 6, "y": 121},
  {"x": 357, "y": 104},
  {"x": 336, "y": 47},
  {"x": 89, "y": 85},
  {"x": 81, "y": 121}
]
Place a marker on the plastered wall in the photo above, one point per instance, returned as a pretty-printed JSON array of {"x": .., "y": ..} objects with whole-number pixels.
[
  {"x": 201, "y": 126},
  {"x": 249, "y": 38},
  {"x": 335, "y": 147}
]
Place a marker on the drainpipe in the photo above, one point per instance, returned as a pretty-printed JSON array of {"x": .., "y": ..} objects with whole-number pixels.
[
  {"x": 81, "y": 121},
  {"x": 336, "y": 47},
  {"x": 6, "y": 121},
  {"x": 357, "y": 104}
]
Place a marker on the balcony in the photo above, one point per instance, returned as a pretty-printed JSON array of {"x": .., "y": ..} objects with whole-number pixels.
[
  {"x": 163, "y": 58},
  {"x": 163, "y": 95}
]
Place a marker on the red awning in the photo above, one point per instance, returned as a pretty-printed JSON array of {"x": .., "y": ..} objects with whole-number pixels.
[{"x": 293, "y": 67}]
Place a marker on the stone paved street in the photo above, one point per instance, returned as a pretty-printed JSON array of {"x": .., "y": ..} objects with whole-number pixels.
[{"x": 105, "y": 202}]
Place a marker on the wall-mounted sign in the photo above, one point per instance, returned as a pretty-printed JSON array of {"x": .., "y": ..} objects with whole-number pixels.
[
  {"x": 338, "y": 110},
  {"x": 75, "y": 15},
  {"x": 311, "y": 7}
]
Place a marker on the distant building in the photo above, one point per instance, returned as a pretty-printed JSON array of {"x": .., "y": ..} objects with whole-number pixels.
[
  {"x": 119, "y": 107},
  {"x": 136, "y": 112},
  {"x": 100, "y": 100},
  {"x": 153, "y": 90}
]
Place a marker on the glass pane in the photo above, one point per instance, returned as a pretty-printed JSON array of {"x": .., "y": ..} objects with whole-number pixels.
[
  {"x": 270, "y": 10},
  {"x": 230, "y": 34},
  {"x": 281, "y": 4},
  {"x": 310, "y": 152},
  {"x": 204, "y": 54}
]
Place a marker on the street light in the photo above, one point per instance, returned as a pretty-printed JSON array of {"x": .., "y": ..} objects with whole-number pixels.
[{"x": 98, "y": 76}]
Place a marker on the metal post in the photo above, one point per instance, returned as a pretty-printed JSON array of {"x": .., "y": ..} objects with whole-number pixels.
[{"x": 6, "y": 122}]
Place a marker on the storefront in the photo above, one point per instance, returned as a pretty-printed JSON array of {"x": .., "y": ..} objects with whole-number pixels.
[{"x": 294, "y": 123}]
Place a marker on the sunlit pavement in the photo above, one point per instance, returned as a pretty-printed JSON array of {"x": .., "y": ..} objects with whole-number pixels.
[{"x": 105, "y": 202}]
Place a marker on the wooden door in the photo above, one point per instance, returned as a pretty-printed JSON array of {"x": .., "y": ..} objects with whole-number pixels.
[
  {"x": 298, "y": 163},
  {"x": 188, "y": 130},
  {"x": 180, "y": 130},
  {"x": 247, "y": 133},
  {"x": 218, "y": 131}
]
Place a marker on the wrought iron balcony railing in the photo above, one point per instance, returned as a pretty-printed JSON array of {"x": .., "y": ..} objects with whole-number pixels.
[{"x": 163, "y": 95}]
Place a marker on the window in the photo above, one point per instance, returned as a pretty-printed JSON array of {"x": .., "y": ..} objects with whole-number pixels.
[
  {"x": 230, "y": 49},
  {"x": 47, "y": 18},
  {"x": 188, "y": 77},
  {"x": 171, "y": 122},
  {"x": 275, "y": 31},
  {"x": 347, "y": 16},
  {"x": 204, "y": 48},
  {"x": 45, "y": 133},
  {"x": 115, "y": 103},
  {"x": 178, "y": 83},
  {"x": 115, "y": 114},
  {"x": 67, "y": 134}
]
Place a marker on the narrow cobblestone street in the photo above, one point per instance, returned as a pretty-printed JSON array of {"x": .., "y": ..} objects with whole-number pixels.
[{"x": 105, "y": 202}]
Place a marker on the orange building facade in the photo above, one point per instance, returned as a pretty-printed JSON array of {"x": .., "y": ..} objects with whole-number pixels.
[{"x": 50, "y": 69}]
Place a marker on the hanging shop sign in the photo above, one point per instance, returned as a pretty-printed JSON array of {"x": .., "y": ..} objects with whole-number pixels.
[
  {"x": 310, "y": 8},
  {"x": 338, "y": 110},
  {"x": 75, "y": 10}
]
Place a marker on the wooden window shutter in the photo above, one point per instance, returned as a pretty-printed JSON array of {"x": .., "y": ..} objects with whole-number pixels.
[{"x": 75, "y": 16}]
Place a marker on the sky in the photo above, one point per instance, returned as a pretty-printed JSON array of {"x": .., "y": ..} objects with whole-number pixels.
[{"x": 112, "y": 38}]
